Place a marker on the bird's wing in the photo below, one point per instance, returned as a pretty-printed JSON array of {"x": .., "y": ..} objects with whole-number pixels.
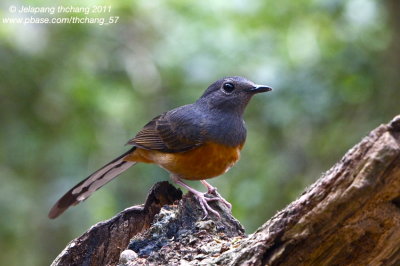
[{"x": 174, "y": 131}]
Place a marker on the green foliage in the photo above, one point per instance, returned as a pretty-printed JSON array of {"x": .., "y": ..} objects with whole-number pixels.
[{"x": 71, "y": 95}]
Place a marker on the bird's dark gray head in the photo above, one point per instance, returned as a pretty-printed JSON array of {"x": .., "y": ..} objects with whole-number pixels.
[{"x": 231, "y": 94}]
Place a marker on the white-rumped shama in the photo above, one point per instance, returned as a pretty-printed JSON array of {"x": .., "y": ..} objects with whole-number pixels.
[{"x": 194, "y": 142}]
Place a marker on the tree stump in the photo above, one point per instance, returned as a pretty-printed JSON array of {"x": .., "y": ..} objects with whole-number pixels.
[{"x": 349, "y": 216}]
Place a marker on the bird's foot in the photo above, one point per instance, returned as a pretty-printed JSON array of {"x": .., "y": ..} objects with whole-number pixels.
[
  {"x": 203, "y": 200},
  {"x": 213, "y": 190}
]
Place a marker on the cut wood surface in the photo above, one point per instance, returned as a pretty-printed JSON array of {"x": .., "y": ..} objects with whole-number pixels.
[{"x": 349, "y": 216}]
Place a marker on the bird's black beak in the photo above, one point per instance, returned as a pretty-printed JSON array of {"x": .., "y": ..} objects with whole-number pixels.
[{"x": 259, "y": 88}]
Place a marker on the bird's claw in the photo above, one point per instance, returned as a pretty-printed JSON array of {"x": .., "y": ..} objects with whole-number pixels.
[
  {"x": 213, "y": 191},
  {"x": 221, "y": 199},
  {"x": 203, "y": 200}
]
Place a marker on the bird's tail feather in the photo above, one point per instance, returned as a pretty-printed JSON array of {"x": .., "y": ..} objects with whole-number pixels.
[{"x": 92, "y": 183}]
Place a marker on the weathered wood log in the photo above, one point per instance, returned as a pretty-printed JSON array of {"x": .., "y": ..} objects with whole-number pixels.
[
  {"x": 103, "y": 242},
  {"x": 349, "y": 216}
]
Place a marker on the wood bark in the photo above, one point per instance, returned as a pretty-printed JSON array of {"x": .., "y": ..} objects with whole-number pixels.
[
  {"x": 349, "y": 216},
  {"x": 103, "y": 242}
]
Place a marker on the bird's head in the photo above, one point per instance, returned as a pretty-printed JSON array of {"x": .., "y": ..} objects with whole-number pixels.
[{"x": 231, "y": 94}]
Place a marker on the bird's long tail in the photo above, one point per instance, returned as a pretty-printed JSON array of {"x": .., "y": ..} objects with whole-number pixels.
[{"x": 92, "y": 183}]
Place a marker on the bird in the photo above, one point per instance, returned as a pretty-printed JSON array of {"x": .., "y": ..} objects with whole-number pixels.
[{"x": 196, "y": 141}]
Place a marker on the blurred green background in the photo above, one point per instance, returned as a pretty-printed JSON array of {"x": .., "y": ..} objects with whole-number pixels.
[{"x": 71, "y": 95}]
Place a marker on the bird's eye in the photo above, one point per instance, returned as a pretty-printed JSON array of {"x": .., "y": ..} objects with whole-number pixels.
[{"x": 228, "y": 87}]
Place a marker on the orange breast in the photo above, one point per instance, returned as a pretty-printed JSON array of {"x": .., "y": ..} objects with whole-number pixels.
[{"x": 207, "y": 161}]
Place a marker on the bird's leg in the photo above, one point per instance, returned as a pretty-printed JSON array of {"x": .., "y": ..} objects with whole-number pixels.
[
  {"x": 213, "y": 190},
  {"x": 210, "y": 188},
  {"x": 203, "y": 200}
]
